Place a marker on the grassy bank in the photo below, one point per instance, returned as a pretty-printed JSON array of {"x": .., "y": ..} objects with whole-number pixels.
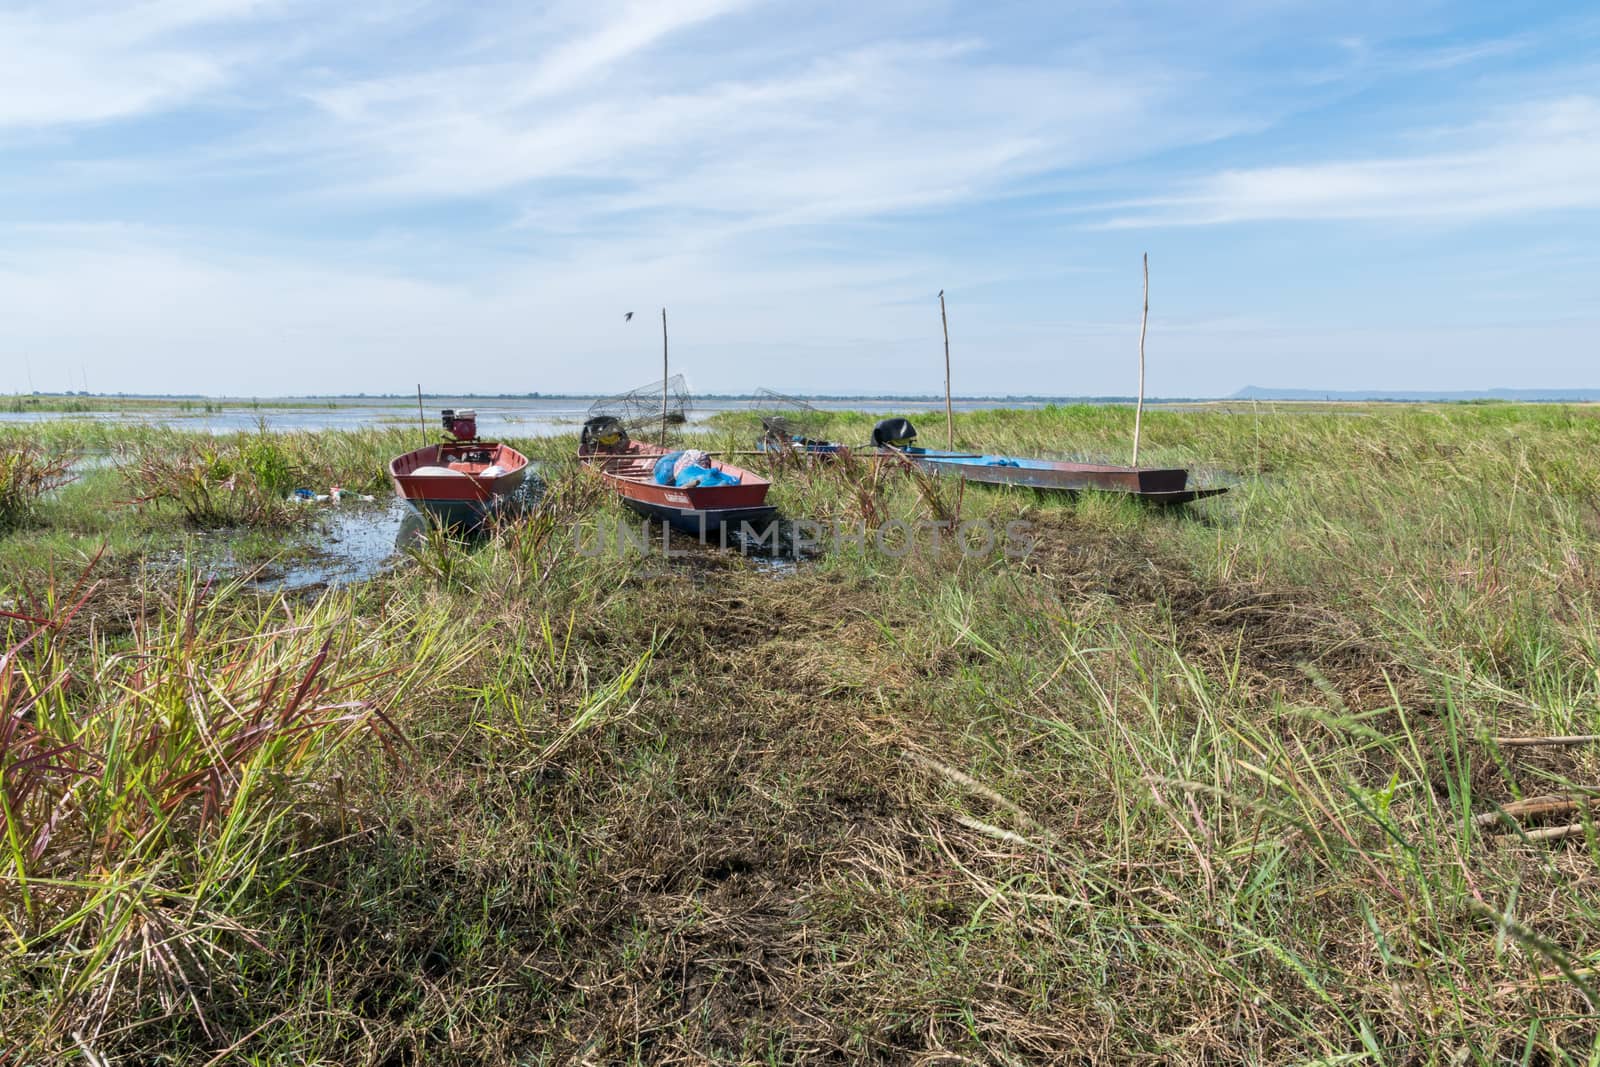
[
  {"x": 86, "y": 403},
  {"x": 1213, "y": 786}
]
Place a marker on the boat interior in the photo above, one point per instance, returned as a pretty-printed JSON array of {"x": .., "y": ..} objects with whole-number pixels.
[
  {"x": 470, "y": 458},
  {"x": 628, "y": 465},
  {"x": 635, "y": 465}
]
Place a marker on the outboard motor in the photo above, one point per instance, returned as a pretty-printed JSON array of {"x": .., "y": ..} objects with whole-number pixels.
[
  {"x": 777, "y": 435},
  {"x": 894, "y": 433},
  {"x": 604, "y": 433},
  {"x": 462, "y": 424}
]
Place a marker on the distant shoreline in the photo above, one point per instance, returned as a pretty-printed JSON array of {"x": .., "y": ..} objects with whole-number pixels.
[{"x": 45, "y": 401}]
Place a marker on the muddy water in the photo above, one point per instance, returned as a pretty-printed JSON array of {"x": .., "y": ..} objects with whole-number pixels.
[
  {"x": 350, "y": 545},
  {"x": 357, "y": 542}
]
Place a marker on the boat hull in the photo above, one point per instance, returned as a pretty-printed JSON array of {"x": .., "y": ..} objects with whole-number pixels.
[
  {"x": 1156, "y": 485},
  {"x": 821, "y": 450},
  {"x": 699, "y": 511},
  {"x": 703, "y": 524},
  {"x": 464, "y": 513},
  {"x": 458, "y": 483}
]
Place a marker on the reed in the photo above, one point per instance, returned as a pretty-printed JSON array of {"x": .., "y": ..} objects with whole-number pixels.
[
  {"x": 28, "y": 472},
  {"x": 245, "y": 479},
  {"x": 152, "y": 784}
]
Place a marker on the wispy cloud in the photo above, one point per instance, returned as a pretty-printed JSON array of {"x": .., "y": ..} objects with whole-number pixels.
[
  {"x": 106, "y": 61},
  {"x": 897, "y": 125},
  {"x": 1536, "y": 158}
]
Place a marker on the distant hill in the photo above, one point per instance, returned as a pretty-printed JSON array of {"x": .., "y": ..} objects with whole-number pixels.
[{"x": 1256, "y": 392}]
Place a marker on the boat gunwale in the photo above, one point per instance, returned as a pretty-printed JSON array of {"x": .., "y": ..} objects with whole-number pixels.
[{"x": 460, "y": 485}]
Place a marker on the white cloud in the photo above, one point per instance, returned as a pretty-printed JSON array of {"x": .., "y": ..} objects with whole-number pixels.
[
  {"x": 633, "y": 30},
  {"x": 104, "y": 61},
  {"x": 897, "y": 125},
  {"x": 148, "y": 310},
  {"x": 1542, "y": 157}
]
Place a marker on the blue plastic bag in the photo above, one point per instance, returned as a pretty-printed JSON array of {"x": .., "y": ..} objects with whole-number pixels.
[{"x": 691, "y": 476}]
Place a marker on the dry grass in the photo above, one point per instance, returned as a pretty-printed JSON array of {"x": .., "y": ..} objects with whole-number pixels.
[{"x": 1168, "y": 789}]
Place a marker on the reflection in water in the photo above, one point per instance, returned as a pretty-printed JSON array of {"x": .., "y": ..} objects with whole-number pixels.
[
  {"x": 351, "y": 545},
  {"x": 412, "y": 532},
  {"x": 356, "y": 544}
]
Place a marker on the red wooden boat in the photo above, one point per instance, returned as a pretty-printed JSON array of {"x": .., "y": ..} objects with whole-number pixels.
[
  {"x": 462, "y": 480},
  {"x": 629, "y": 467}
]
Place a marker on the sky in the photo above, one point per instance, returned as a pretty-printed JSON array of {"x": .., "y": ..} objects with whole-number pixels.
[{"x": 288, "y": 197}]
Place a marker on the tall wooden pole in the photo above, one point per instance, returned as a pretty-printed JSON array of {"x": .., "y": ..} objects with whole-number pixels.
[
  {"x": 949, "y": 418},
  {"x": 663, "y": 377},
  {"x": 1144, "y": 321},
  {"x": 421, "y": 418}
]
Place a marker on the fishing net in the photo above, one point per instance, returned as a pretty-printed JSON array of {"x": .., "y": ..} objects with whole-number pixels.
[
  {"x": 785, "y": 421},
  {"x": 642, "y": 411}
]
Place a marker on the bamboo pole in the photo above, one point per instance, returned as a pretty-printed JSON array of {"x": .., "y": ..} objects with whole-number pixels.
[
  {"x": 1535, "y": 807},
  {"x": 1544, "y": 833},
  {"x": 949, "y": 418},
  {"x": 663, "y": 441},
  {"x": 422, "y": 419},
  {"x": 1529, "y": 742},
  {"x": 1144, "y": 321}
]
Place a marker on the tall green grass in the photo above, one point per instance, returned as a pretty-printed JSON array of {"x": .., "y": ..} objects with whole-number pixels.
[
  {"x": 156, "y": 788},
  {"x": 246, "y": 479}
]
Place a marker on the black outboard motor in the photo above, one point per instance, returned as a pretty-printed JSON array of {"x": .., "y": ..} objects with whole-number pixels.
[
  {"x": 894, "y": 433},
  {"x": 604, "y": 433}
]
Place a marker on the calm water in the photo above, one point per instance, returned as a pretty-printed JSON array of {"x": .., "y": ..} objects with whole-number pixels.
[{"x": 496, "y": 418}]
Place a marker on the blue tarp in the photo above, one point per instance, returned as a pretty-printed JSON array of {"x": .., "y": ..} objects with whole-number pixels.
[{"x": 690, "y": 476}]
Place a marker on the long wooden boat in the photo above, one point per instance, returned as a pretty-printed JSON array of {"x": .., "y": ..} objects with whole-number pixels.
[
  {"x": 1154, "y": 485},
  {"x": 800, "y": 446},
  {"x": 629, "y": 468},
  {"x": 461, "y": 481}
]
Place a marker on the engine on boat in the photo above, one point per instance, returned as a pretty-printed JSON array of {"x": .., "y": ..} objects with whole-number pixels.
[
  {"x": 894, "y": 433},
  {"x": 604, "y": 432},
  {"x": 462, "y": 424}
]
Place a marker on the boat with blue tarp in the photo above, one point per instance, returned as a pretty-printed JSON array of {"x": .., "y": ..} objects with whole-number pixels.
[{"x": 692, "y": 491}]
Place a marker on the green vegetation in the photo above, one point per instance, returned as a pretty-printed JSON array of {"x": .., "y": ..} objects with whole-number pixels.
[
  {"x": 246, "y": 479},
  {"x": 1225, "y": 785},
  {"x": 86, "y": 403}
]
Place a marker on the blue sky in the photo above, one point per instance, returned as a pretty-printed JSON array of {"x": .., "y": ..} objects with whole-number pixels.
[{"x": 263, "y": 197}]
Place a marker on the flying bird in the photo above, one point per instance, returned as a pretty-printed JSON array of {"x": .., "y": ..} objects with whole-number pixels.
[{"x": 628, "y": 317}]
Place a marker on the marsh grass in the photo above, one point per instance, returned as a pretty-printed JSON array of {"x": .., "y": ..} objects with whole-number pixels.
[
  {"x": 1197, "y": 786},
  {"x": 150, "y": 785},
  {"x": 79, "y": 404},
  {"x": 27, "y": 473},
  {"x": 246, "y": 479}
]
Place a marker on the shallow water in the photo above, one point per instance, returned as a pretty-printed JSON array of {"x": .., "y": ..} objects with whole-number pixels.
[
  {"x": 93, "y": 461},
  {"x": 358, "y": 542},
  {"x": 352, "y": 545},
  {"x": 496, "y": 418}
]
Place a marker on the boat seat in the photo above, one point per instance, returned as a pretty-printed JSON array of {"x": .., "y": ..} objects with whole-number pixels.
[{"x": 433, "y": 471}]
